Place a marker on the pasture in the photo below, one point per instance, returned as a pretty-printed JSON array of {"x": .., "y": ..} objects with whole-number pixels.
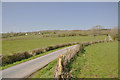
[
  {"x": 27, "y": 43},
  {"x": 97, "y": 61}
]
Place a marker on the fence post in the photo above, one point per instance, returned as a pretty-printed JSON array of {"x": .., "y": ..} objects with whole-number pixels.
[{"x": 60, "y": 67}]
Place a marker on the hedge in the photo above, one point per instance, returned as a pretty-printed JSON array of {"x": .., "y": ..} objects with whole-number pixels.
[
  {"x": 69, "y": 57},
  {"x": 9, "y": 59}
]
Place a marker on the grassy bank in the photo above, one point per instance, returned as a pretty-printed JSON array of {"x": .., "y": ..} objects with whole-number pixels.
[
  {"x": 96, "y": 61},
  {"x": 47, "y": 72},
  {"x": 13, "y": 46}
]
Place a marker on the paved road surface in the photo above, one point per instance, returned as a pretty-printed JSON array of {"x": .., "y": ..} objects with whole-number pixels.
[
  {"x": 110, "y": 38},
  {"x": 26, "y": 68}
]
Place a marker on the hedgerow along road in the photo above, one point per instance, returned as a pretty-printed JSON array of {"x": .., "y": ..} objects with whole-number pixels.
[{"x": 24, "y": 69}]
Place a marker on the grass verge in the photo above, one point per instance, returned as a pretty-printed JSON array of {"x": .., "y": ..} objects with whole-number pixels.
[
  {"x": 24, "y": 60},
  {"x": 47, "y": 72}
]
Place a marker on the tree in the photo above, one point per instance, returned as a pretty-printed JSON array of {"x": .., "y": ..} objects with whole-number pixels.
[
  {"x": 114, "y": 32},
  {"x": 97, "y": 30}
]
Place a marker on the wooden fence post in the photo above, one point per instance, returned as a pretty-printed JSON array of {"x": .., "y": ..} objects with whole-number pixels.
[{"x": 60, "y": 67}]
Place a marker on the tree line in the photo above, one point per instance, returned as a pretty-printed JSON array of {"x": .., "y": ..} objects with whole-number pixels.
[{"x": 95, "y": 31}]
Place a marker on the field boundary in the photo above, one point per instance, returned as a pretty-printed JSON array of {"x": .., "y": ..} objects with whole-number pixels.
[
  {"x": 63, "y": 59},
  {"x": 66, "y": 59},
  {"x": 33, "y": 57},
  {"x": 9, "y": 59}
]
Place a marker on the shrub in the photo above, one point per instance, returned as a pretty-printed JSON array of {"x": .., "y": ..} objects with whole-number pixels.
[
  {"x": 18, "y": 56},
  {"x": 8, "y": 59},
  {"x": 51, "y": 47},
  {"x": 45, "y": 49},
  {"x": 27, "y": 54},
  {"x": 55, "y": 46},
  {"x": 37, "y": 51},
  {"x": 5, "y": 60},
  {"x": 61, "y": 45}
]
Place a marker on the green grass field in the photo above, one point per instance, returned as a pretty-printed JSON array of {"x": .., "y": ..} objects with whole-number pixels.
[
  {"x": 97, "y": 61},
  {"x": 25, "y": 44}
]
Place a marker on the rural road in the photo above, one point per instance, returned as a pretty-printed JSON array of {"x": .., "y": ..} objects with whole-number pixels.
[
  {"x": 26, "y": 68},
  {"x": 110, "y": 37}
]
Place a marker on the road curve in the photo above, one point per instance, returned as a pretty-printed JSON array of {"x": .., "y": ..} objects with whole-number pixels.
[{"x": 26, "y": 68}]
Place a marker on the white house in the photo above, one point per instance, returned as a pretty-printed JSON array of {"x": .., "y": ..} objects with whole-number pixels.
[{"x": 26, "y": 34}]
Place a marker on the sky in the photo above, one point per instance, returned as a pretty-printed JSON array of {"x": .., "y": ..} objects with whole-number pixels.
[{"x": 36, "y": 16}]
